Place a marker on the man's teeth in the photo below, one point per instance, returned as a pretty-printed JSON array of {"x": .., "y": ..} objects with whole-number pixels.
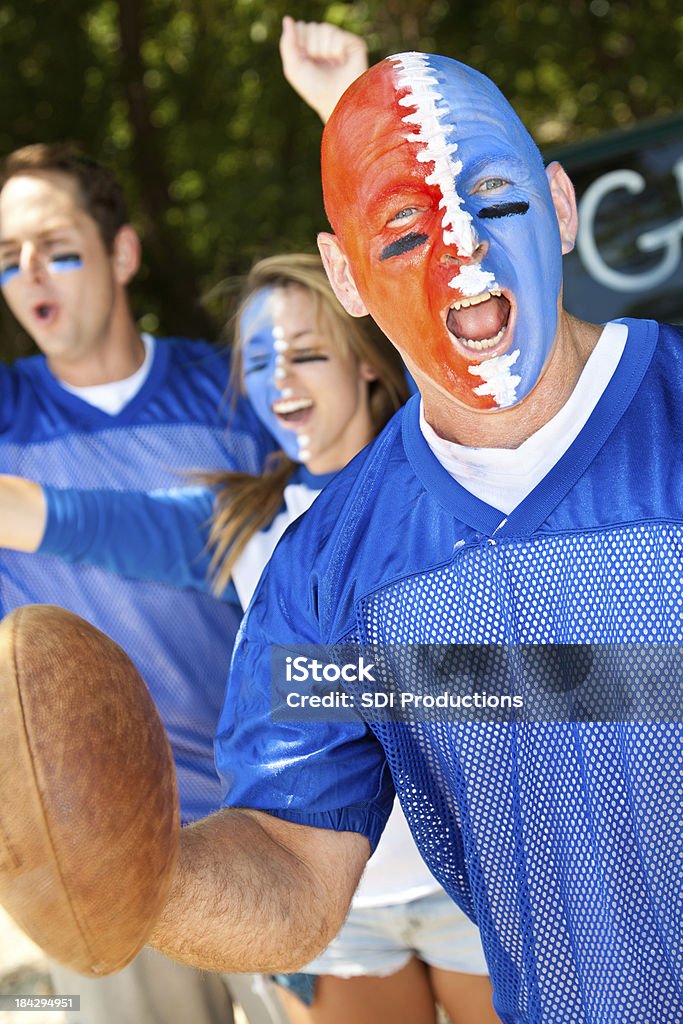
[
  {"x": 479, "y": 344},
  {"x": 483, "y": 343},
  {"x": 474, "y": 300},
  {"x": 287, "y": 406}
]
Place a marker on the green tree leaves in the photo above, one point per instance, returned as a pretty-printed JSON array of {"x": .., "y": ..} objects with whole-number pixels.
[{"x": 186, "y": 99}]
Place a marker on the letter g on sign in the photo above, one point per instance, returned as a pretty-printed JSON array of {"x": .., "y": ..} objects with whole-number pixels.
[{"x": 667, "y": 238}]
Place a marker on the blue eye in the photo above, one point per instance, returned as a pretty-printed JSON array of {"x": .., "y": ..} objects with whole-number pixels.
[
  {"x": 491, "y": 184},
  {"x": 403, "y": 216}
]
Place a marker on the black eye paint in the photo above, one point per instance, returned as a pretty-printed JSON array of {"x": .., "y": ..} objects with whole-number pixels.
[
  {"x": 503, "y": 210},
  {"x": 410, "y": 241}
]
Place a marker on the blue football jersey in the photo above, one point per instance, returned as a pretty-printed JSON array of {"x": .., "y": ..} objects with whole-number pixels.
[
  {"x": 562, "y": 839},
  {"x": 179, "y": 421}
]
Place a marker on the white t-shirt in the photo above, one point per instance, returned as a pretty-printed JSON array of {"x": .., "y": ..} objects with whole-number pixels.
[
  {"x": 113, "y": 396},
  {"x": 256, "y": 555},
  {"x": 502, "y": 477}
]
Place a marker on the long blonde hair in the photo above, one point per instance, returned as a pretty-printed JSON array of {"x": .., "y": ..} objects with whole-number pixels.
[{"x": 245, "y": 503}]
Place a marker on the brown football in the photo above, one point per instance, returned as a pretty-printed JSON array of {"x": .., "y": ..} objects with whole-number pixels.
[{"x": 88, "y": 803}]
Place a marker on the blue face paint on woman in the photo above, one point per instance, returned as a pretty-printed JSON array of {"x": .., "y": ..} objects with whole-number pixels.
[
  {"x": 263, "y": 350},
  {"x": 449, "y": 226}
]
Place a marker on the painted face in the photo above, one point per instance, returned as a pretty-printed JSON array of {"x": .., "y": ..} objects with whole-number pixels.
[
  {"x": 448, "y": 224},
  {"x": 55, "y": 272},
  {"x": 311, "y": 397}
]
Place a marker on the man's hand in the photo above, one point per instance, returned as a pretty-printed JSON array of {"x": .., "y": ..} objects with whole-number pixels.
[{"x": 320, "y": 61}]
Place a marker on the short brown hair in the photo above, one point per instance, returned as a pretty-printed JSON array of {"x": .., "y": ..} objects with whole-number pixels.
[{"x": 101, "y": 195}]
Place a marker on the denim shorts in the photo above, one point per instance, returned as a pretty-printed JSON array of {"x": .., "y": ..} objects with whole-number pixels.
[{"x": 381, "y": 940}]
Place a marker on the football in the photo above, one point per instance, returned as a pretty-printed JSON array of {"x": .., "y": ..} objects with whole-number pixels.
[{"x": 88, "y": 802}]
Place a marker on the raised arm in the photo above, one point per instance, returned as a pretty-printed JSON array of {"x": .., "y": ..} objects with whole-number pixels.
[
  {"x": 159, "y": 536},
  {"x": 320, "y": 61},
  {"x": 255, "y": 893}
]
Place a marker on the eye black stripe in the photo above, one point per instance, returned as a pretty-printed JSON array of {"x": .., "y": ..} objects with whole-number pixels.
[
  {"x": 404, "y": 244},
  {"x": 503, "y": 210}
]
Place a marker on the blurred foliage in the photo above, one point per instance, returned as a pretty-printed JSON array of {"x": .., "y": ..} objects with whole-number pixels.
[{"x": 186, "y": 99}]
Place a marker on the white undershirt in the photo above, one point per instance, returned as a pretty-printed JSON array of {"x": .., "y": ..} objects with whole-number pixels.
[
  {"x": 502, "y": 477},
  {"x": 250, "y": 565},
  {"x": 113, "y": 396}
]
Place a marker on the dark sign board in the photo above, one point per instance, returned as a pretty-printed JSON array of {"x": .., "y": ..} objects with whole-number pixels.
[{"x": 628, "y": 259}]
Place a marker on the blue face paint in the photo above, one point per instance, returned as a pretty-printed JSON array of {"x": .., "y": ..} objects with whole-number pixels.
[
  {"x": 504, "y": 190},
  {"x": 8, "y": 273},
  {"x": 262, "y": 357},
  {"x": 70, "y": 261},
  {"x": 54, "y": 265}
]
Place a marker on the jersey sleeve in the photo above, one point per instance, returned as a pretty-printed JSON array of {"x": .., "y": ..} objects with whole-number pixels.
[
  {"x": 159, "y": 536},
  {"x": 317, "y": 769}
]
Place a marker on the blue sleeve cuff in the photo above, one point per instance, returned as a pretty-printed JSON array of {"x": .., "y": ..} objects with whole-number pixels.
[
  {"x": 368, "y": 821},
  {"x": 66, "y": 528}
]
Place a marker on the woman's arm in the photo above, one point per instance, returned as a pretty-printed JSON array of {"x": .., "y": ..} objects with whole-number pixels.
[
  {"x": 158, "y": 536},
  {"x": 22, "y": 513}
]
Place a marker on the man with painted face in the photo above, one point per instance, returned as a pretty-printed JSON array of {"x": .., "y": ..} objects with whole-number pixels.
[
  {"x": 454, "y": 231},
  {"x": 503, "y": 536}
]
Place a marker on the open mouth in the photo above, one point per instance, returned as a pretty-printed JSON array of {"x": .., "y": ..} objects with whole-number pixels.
[
  {"x": 479, "y": 323},
  {"x": 293, "y": 411},
  {"x": 44, "y": 311}
]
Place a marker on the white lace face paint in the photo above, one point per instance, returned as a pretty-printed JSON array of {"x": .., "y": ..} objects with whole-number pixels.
[
  {"x": 281, "y": 348},
  {"x": 428, "y": 116},
  {"x": 304, "y": 447},
  {"x": 264, "y": 354},
  {"x": 498, "y": 381},
  {"x": 471, "y": 279}
]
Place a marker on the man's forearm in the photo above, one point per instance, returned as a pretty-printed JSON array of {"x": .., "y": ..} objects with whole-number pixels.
[{"x": 253, "y": 893}]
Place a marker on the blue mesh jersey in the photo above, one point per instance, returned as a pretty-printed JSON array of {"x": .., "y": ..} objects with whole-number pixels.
[
  {"x": 563, "y": 840},
  {"x": 181, "y": 642}
]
